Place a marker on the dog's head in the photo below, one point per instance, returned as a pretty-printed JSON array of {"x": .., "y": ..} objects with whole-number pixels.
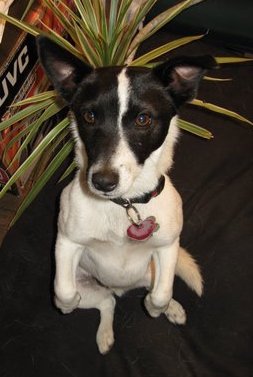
[{"x": 123, "y": 118}]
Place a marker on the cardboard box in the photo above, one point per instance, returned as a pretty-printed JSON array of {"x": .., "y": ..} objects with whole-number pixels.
[
  {"x": 20, "y": 77},
  {"x": 12, "y": 61}
]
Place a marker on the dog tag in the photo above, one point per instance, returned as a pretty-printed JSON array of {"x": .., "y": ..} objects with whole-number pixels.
[{"x": 143, "y": 230}]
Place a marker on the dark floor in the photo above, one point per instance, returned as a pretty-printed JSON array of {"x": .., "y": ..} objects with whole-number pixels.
[{"x": 8, "y": 206}]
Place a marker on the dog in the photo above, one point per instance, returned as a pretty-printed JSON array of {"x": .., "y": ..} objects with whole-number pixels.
[{"x": 120, "y": 217}]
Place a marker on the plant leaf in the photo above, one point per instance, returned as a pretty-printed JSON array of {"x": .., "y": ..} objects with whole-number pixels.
[
  {"x": 208, "y": 78},
  {"x": 21, "y": 24},
  {"x": 156, "y": 24},
  {"x": 221, "y": 110},
  {"x": 24, "y": 113},
  {"x": 231, "y": 59},
  {"x": 30, "y": 3},
  {"x": 36, "y": 98},
  {"x": 49, "y": 112},
  {"x": 72, "y": 14},
  {"x": 88, "y": 50},
  {"x": 68, "y": 171},
  {"x": 87, "y": 15},
  {"x": 132, "y": 26},
  {"x": 43, "y": 179},
  {"x": 35, "y": 154},
  {"x": 112, "y": 18},
  {"x": 123, "y": 9},
  {"x": 50, "y": 34},
  {"x": 146, "y": 58},
  {"x": 194, "y": 129},
  {"x": 63, "y": 19},
  {"x": 61, "y": 41}
]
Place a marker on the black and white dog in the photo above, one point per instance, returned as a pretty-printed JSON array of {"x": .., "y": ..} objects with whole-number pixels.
[{"x": 120, "y": 218}]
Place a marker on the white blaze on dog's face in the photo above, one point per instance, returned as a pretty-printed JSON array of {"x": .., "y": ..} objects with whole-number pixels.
[
  {"x": 122, "y": 116},
  {"x": 113, "y": 166}
]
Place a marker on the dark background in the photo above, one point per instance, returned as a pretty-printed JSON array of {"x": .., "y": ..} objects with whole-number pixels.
[{"x": 215, "y": 179}]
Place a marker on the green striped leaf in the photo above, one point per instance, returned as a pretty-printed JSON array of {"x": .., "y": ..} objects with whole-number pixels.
[
  {"x": 231, "y": 59},
  {"x": 30, "y": 2},
  {"x": 89, "y": 52},
  {"x": 158, "y": 22},
  {"x": 66, "y": 22},
  {"x": 208, "y": 78},
  {"x": 21, "y": 24},
  {"x": 36, "y": 98},
  {"x": 24, "y": 113},
  {"x": 194, "y": 129},
  {"x": 68, "y": 171},
  {"x": 112, "y": 18},
  {"x": 44, "y": 178},
  {"x": 49, "y": 112},
  {"x": 144, "y": 59},
  {"x": 220, "y": 110},
  {"x": 35, "y": 154}
]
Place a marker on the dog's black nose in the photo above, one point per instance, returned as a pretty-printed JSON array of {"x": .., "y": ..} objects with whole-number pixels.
[{"x": 105, "y": 180}]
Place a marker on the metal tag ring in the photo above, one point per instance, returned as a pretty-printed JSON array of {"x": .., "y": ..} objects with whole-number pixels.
[{"x": 131, "y": 219}]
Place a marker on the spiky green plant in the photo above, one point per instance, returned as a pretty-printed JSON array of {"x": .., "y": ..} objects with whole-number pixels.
[{"x": 99, "y": 38}]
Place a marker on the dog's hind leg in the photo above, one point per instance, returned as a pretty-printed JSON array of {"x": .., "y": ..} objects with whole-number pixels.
[
  {"x": 175, "y": 313},
  {"x": 96, "y": 296}
]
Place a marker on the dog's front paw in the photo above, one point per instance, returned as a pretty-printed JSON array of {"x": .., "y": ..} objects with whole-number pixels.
[
  {"x": 175, "y": 313},
  {"x": 67, "y": 306},
  {"x": 153, "y": 309}
]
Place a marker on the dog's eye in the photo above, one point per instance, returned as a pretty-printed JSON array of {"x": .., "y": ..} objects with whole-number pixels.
[
  {"x": 89, "y": 117},
  {"x": 143, "y": 120}
]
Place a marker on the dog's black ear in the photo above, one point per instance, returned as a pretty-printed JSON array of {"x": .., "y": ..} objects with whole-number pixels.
[
  {"x": 181, "y": 76},
  {"x": 63, "y": 69}
]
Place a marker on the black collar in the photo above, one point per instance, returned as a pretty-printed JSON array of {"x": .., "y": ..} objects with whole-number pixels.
[{"x": 145, "y": 198}]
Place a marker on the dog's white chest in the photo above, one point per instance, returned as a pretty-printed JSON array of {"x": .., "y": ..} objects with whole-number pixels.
[
  {"x": 101, "y": 228},
  {"x": 116, "y": 264}
]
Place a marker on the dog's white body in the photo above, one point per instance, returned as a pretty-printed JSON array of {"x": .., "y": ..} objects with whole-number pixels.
[
  {"x": 125, "y": 127},
  {"x": 111, "y": 257},
  {"x": 107, "y": 254},
  {"x": 92, "y": 246}
]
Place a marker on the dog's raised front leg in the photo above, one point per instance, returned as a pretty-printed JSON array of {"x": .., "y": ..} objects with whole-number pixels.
[
  {"x": 67, "y": 254},
  {"x": 165, "y": 259}
]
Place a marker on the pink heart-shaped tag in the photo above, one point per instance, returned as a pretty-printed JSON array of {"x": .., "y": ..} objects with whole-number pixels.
[{"x": 144, "y": 230}]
